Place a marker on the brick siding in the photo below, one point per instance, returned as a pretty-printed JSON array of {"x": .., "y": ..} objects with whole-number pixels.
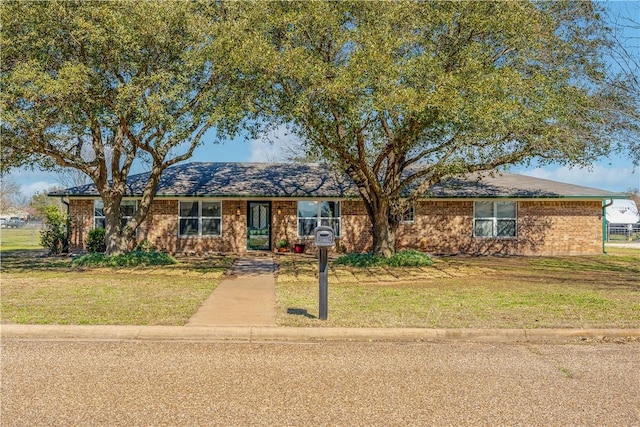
[{"x": 562, "y": 227}]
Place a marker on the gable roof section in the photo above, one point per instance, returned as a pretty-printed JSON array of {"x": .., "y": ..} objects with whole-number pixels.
[{"x": 291, "y": 180}]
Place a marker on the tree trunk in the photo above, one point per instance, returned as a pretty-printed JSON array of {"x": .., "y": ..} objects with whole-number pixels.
[
  {"x": 118, "y": 239},
  {"x": 384, "y": 236},
  {"x": 383, "y": 226}
]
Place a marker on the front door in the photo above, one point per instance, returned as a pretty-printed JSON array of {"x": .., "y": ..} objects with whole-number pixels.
[{"x": 259, "y": 226}]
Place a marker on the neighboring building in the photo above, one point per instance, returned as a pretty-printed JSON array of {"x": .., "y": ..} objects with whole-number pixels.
[
  {"x": 623, "y": 219},
  {"x": 239, "y": 207},
  {"x": 622, "y": 212}
]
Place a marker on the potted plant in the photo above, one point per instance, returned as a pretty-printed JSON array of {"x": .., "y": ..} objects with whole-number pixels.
[
  {"x": 283, "y": 245},
  {"x": 299, "y": 247}
]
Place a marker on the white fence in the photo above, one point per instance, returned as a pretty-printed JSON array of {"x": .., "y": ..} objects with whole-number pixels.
[{"x": 623, "y": 232}]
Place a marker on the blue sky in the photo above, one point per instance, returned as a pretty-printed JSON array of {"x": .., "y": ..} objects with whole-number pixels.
[{"x": 614, "y": 173}]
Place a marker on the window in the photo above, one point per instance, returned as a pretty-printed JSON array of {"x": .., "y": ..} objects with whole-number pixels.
[
  {"x": 408, "y": 215},
  {"x": 494, "y": 219},
  {"x": 200, "y": 218},
  {"x": 127, "y": 207},
  {"x": 313, "y": 214}
]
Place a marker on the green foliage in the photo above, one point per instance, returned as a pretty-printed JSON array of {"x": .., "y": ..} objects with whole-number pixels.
[
  {"x": 54, "y": 236},
  {"x": 410, "y": 258},
  {"x": 96, "y": 242},
  {"x": 406, "y": 258},
  {"x": 40, "y": 202},
  {"x": 284, "y": 243},
  {"x": 130, "y": 259},
  {"x": 84, "y": 82},
  {"x": 145, "y": 246},
  {"x": 404, "y": 95}
]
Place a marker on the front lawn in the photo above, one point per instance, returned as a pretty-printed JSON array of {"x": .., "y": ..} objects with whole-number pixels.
[
  {"x": 456, "y": 292},
  {"x": 48, "y": 290},
  {"x": 469, "y": 292}
]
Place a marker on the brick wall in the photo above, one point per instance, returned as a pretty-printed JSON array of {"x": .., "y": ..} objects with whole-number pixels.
[
  {"x": 446, "y": 227},
  {"x": 81, "y": 215},
  {"x": 161, "y": 229},
  {"x": 284, "y": 222},
  {"x": 440, "y": 227}
]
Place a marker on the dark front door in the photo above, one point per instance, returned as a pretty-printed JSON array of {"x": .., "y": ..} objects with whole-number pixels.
[{"x": 259, "y": 226}]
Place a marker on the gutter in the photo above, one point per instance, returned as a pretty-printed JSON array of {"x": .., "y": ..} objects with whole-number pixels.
[{"x": 604, "y": 223}]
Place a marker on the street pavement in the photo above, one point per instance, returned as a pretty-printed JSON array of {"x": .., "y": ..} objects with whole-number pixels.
[{"x": 168, "y": 383}]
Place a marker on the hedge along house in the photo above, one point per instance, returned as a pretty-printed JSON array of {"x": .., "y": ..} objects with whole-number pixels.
[{"x": 240, "y": 207}]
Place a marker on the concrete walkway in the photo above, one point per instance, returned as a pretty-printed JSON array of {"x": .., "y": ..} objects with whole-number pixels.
[{"x": 247, "y": 297}]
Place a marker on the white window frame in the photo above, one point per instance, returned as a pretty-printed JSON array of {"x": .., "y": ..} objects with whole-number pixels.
[
  {"x": 125, "y": 218},
  {"x": 495, "y": 219},
  {"x": 409, "y": 215},
  {"x": 200, "y": 219},
  {"x": 318, "y": 218}
]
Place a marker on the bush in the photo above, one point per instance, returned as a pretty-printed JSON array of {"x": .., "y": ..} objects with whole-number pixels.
[
  {"x": 96, "y": 240},
  {"x": 410, "y": 258},
  {"x": 406, "y": 258},
  {"x": 130, "y": 259},
  {"x": 54, "y": 236},
  {"x": 360, "y": 260}
]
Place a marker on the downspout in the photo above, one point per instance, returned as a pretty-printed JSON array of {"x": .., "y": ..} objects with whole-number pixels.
[
  {"x": 604, "y": 224},
  {"x": 68, "y": 223}
]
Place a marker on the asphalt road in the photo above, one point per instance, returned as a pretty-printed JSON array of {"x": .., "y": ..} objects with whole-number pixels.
[{"x": 142, "y": 383}]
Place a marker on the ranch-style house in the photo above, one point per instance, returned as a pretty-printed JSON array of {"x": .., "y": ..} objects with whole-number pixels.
[{"x": 238, "y": 207}]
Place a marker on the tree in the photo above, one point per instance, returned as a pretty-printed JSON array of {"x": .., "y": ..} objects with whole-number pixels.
[
  {"x": 40, "y": 203},
  {"x": 55, "y": 235},
  {"x": 11, "y": 195},
  {"x": 99, "y": 86},
  {"x": 624, "y": 76},
  {"x": 401, "y": 95}
]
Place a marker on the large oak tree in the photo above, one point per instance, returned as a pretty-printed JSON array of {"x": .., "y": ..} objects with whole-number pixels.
[
  {"x": 401, "y": 95},
  {"x": 97, "y": 86}
]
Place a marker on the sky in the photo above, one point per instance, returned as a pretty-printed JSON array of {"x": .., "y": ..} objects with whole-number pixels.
[{"x": 615, "y": 173}]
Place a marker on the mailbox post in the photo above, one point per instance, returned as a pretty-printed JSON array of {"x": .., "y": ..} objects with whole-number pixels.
[{"x": 323, "y": 239}]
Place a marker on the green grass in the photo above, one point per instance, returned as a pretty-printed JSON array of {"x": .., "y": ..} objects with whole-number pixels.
[
  {"x": 49, "y": 290},
  {"x": 464, "y": 292},
  {"x": 25, "y": 238},
  {"x": 455, "y": 292}
]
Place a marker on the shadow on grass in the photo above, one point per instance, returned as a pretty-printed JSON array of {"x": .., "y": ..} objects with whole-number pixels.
[
  {"x": 300, "y": 312},
  {"x": 38, "y": 260},
  {"x": 32, "y": 259}
]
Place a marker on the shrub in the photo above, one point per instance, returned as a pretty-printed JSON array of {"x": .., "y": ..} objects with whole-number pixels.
[
  {"x": 96, "y": 240},
  {"x": 54, "y": 236},
  {"x": 359, "y": 260},
  {"x": 130, "y": 259},
  {"x": 408, "y": 258},
  {"x": 145, "y": 246}
]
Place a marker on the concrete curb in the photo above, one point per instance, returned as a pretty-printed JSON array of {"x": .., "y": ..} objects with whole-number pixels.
[{"x": 283, "y": 334}]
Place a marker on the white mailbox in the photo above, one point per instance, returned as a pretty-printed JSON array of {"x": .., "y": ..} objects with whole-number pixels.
[{"x": 324, "y": 237}]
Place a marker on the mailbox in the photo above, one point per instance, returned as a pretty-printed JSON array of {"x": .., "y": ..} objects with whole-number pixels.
[{"x": 324, "y": 237}]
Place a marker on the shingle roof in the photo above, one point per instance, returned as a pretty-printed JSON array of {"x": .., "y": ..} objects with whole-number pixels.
[
  {"x": 235, "y": 180},
  {"x": 313, "y": 180},
  {"x": 515, "y": 186}
]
